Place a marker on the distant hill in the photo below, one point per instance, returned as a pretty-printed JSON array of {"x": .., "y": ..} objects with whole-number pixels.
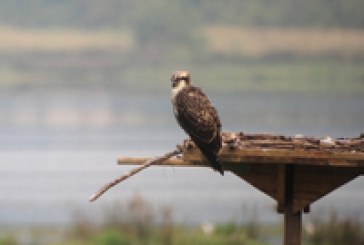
[
  {"x": 124, "y": 13},
  {"x": 251, "y": 45}
]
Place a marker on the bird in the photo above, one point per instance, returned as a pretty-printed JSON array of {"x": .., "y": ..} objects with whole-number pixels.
[{"x": 197, "y": 117}]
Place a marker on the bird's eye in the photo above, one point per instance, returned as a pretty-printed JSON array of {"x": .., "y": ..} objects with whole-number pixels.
[{"x": 174, "y": 83}]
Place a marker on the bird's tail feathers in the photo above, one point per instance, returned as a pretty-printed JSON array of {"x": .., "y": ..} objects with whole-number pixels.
[{"x": 214, "y": 161}]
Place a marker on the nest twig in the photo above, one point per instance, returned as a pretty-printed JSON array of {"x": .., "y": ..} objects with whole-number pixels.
[{"x": 132, "y": 172}]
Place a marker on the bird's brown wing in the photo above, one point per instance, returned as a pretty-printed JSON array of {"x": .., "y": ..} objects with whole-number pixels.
[{"x": 196, "y": 115}]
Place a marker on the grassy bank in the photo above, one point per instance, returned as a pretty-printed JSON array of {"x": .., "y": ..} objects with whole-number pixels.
[
  {"x": 140, "y": 230},
  {"x": 137, "y": 222}
]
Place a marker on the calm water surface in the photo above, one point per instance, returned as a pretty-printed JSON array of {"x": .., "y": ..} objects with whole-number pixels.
[{"x": 57, "y": 148}]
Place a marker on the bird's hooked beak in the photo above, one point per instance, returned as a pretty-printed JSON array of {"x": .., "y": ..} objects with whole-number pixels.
[{"x": 174, "y": 81}]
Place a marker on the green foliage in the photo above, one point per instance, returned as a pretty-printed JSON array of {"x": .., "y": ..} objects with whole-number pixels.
[
  {"x": 8, "y": 240},
  {"x": 135, "y": 223},
  {"x": 121, "y": 226},
  {"x": 336, "y": 232},
  {"x": 240, "y": 234},
  {"x": 226, "y": 229},
  {"x": 110, "y": 237}
]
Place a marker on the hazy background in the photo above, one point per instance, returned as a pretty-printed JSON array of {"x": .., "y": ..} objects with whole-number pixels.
[{"x": 83, "y": 82}]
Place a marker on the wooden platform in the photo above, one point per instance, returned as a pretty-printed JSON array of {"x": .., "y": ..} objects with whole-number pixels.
[{"x": 295, "y": 171}]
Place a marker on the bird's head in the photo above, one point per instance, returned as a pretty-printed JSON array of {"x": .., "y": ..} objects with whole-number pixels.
[{"x": 180, "y": 79}]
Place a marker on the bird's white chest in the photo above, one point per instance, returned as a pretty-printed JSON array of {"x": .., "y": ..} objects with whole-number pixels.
[
  {"x": 174, "y": 93},
  {"x": 178, "y": 89}
]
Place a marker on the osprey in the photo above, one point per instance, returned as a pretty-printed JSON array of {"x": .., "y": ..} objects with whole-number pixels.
[{"x": 197, "y": 116}]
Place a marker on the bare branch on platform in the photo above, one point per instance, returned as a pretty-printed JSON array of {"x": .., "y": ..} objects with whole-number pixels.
[{"x": 132, "y": 172}]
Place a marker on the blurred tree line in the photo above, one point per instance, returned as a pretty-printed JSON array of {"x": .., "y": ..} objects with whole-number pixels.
[
  {"x": 125, "y": 13},
  {"x": 161, "y": 28},
  {"x": 169, "y": 34}
]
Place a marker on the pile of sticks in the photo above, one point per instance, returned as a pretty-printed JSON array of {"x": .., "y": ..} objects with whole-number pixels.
[{"x": 241, "y": 140}]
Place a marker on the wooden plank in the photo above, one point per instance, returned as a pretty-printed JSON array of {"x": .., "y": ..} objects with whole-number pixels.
[
  {"x": 263, "y": 177},
  {"x": 313, "y": 182},
  {"x": 170, "y": 162},
  {"x": 240, "y": 148},
  {"x": 274, "y": 156},
  {"x": 279, "y": 156}
]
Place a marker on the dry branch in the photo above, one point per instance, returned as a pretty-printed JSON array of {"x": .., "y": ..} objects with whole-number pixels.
[{"x": 132, "y": 172}]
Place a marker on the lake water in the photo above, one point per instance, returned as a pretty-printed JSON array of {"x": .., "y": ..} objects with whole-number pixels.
[{"x": 57, "y": 148}]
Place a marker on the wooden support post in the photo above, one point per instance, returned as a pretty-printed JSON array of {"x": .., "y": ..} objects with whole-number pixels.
[
  {"x": 292, "y": 220},
  {"x": 292, "y": 227},
  {"x": 281, "y": 188}
]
